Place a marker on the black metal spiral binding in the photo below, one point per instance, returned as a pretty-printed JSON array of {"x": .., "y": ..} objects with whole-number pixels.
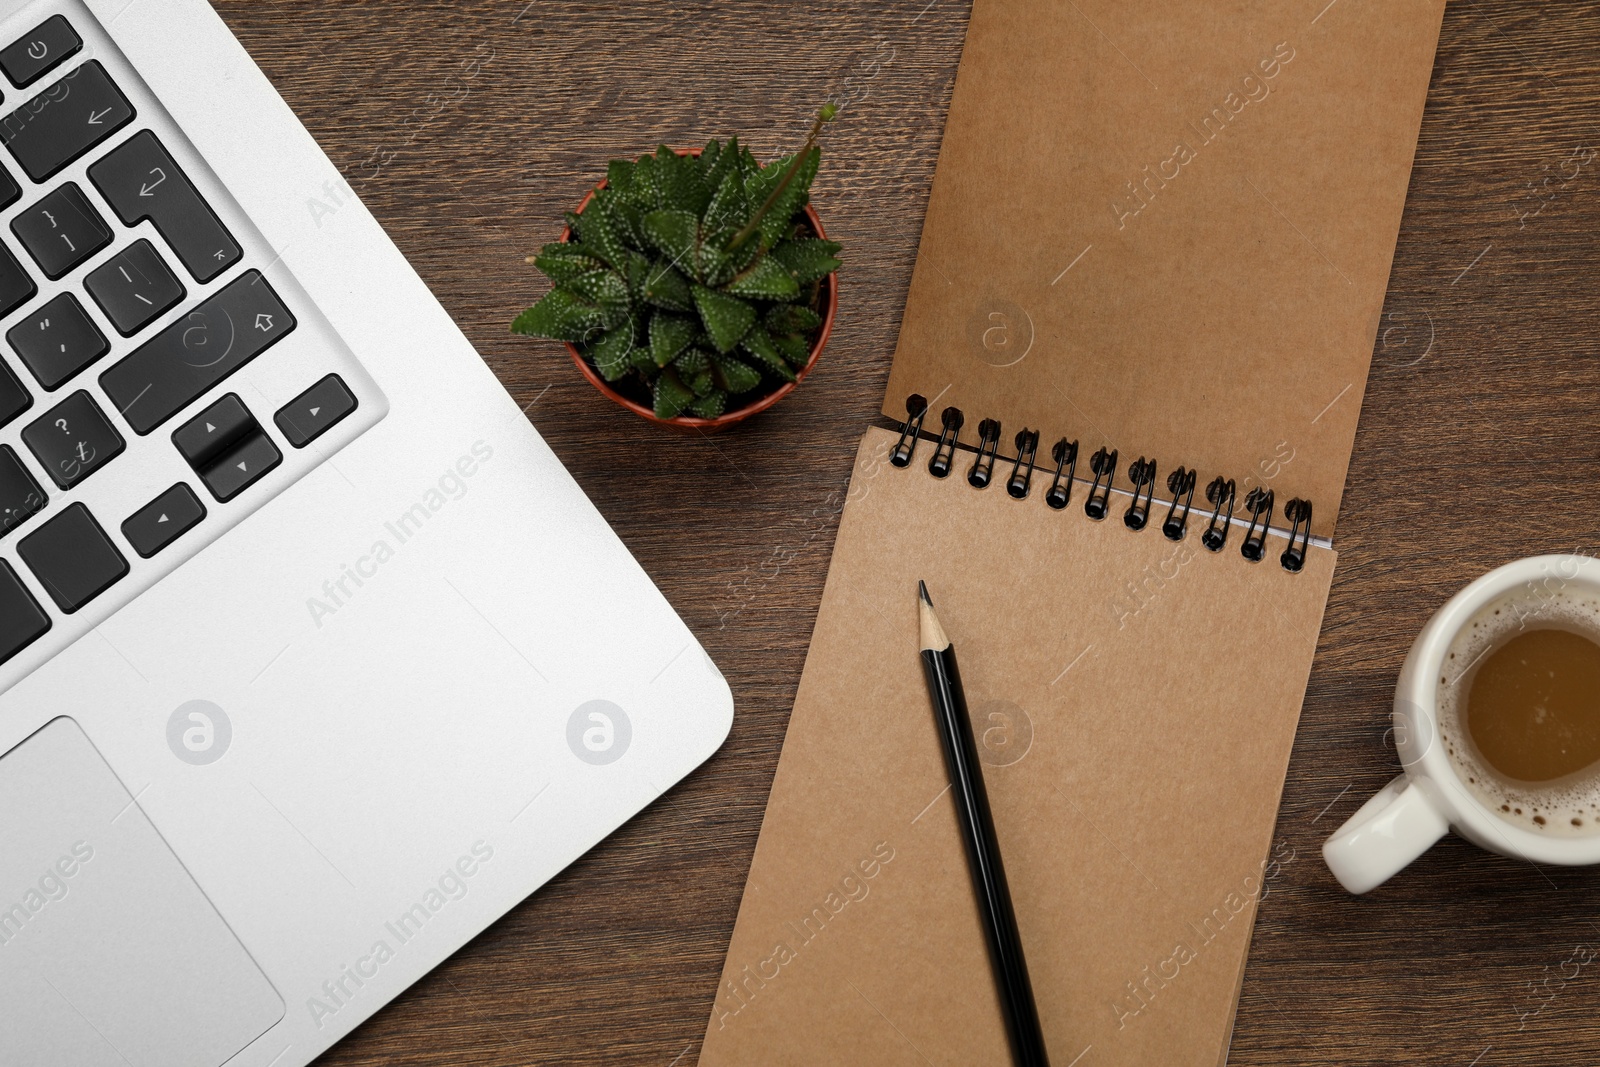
[
  {"x": 1297, "y": 511},
  {"x": 1065, "y": 453},
  {"x": 1022, "y": 470},
  {"x": 1142, "y": 473},
  {"x": 988, "y": 448},
  {"x": 906, "y": 447},
  {"x": 944, "y": 453},
  {"x": 1180, "y": 483},
  {"x": 1104, "y": 466},
  {"x": 1220, "y": 493},
  {"x": 1259, "y": 504}
]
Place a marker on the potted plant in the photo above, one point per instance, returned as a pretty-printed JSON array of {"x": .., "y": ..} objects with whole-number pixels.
[{"x": 694, "y": 288}]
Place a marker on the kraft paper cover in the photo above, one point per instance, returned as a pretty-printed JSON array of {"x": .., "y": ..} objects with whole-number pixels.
[
  {"x": 1136, "y": 699},
  {"x": 1167, "y": 228}
]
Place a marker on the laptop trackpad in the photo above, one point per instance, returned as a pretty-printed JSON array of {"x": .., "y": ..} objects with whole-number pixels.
[{"x": 109, "y": 952}]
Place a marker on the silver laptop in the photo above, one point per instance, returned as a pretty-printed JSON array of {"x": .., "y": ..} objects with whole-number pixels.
[{"x": 313, "y": 659}]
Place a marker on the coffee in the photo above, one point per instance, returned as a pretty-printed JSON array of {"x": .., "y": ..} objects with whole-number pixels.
[{"x": 1519, "y": 708}]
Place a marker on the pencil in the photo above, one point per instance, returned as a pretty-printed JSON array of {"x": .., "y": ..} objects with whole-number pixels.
[{"x": 977, "y": 834}]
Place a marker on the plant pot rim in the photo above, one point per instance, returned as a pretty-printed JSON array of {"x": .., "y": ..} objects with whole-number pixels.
[{"x": 830, "y": 297}]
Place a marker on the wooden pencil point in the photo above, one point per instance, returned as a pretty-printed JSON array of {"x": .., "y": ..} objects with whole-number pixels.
[{"x": 933, "y": 635}]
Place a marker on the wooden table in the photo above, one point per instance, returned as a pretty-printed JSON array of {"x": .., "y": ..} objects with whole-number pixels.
[{"x": 469, "y": 127}]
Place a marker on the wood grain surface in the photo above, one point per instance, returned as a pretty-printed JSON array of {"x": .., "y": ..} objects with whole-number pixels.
[{"x": 469, "y": 127}]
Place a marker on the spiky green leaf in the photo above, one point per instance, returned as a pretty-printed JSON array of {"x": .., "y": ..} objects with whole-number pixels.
[
  {"x": 669, "y": 335},
  {"x": 666, "y": 288},
  {"x": 619, "y": 175},
  {"x": 642, "y": 190},
  {"x": 708, "y": 158},
  {"x": 759, "y": 345},
  {"x": 807, "y": 258},
  {"x": 611, "y": 353},
  {"x": 675, "y": 234},
  {"x": 562, "y": 261},
  {"x": 600, "y": 232},
  {"x": 607, "y": 290},
  {"x": 623, "y": 219},
  {"x": 703, "y": 384},
  {"x": 711, "y": 405},
  {"x": 671, "y": 395},
  {"x": 791, "y": 318},
  {"x": 637, "y": 272},
  {"x": 729, "y": 208},
  {"x": 561, "y": 316},
  {"x": 727, "y": 318},
  {"x": 734, "y": 375},
  {"x": 766, "y": 279},
  {"x": 643, "y": 361},
  {"x": 793, "y": 197},
  {"x": 692, "y": 362},
  {"x": 680, "y": 185},
  {"x": 795, "y": 349}
]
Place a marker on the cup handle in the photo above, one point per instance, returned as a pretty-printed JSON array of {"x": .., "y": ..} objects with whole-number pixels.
[{"x": 1396, "y": 826}]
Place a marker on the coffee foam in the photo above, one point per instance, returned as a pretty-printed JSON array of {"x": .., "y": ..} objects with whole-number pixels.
[{"x": 1564, "y": 807}]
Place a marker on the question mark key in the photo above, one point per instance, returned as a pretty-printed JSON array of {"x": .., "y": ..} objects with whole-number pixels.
[{"x": 73, "y": 440}]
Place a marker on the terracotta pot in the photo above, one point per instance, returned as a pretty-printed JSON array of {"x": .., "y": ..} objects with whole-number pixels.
[{"x": 829, "y": 295}]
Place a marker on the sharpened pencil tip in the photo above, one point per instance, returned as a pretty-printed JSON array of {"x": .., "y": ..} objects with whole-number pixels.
[{"x": 933, "y": 636}]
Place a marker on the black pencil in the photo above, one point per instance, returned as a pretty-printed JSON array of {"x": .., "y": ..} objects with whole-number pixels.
[{"x": 977, "y": 834}]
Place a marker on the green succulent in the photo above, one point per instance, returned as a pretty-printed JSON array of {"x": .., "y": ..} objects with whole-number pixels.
[{"x": 697, "y": 277}]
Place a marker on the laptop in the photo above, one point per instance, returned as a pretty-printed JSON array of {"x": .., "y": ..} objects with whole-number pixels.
[{"x": 313, "y": 659}]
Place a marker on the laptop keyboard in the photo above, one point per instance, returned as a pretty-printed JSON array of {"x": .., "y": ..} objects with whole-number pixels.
[{"x": 158, "y": 305}]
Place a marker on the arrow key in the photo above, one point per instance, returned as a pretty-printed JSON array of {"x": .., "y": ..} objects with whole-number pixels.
[
  {"x": 163, "y": 520},
  {"x": 203, "y": 439},
  {"x": 241, "y": 467},
  {"x": 315, "y": 411}
]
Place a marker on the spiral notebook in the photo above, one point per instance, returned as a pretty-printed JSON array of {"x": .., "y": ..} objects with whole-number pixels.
[{"x": 1126, "y": 391}]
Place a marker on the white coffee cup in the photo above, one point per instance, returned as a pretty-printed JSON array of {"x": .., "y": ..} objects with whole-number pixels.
[{"x": 1406, "y": 817}]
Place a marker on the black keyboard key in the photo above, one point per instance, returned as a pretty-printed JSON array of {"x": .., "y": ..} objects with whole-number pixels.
[
  {"x": 20, "y": 495},
  {"x": 73, "y": 440},
  {"x": 177, "y": 365},
  {"x": 241, "y": 467},
  {"x": 163, "y": 520},
  {"x": 203, "y": 439},
  {"x": 16, "y": 286},
  {"x": 57, "y": 341},
  {"x": 73, "y": 558},
  {"x": 10, "y": 191},
  {"x": 61, "y": 230},
  {"x": 140, "y": 181},
  {"x": 22, "y": 621},
  {"x": 315, "y": 411},
  {"x": 40, "y": 51},
  {"x": 133, "y": 287},
  {"x": 14, "y": 399},
  {"x": 65, "y": 121}
]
